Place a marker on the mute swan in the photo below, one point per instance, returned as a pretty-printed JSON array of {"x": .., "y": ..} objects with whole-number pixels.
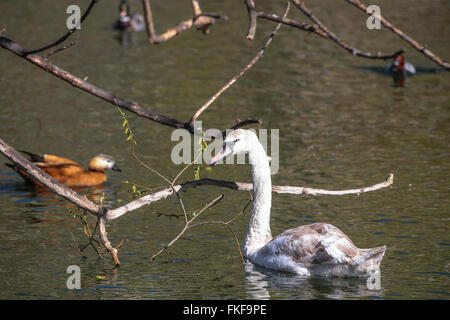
[
  {"x": 69, "y": 172},
  {"x": 314, "y": 249}
]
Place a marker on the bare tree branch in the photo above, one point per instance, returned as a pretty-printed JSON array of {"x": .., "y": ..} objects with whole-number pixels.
[
  {"x": 252, "y": 15},
  {"x": 104, "y": 215},
  {"x": 293, "y": 23},
  {"x": 47, "y": 180},
  {"x": 187, "y": 226},
  {"x": 240, "y": 186},
  {"x": 202, "y": 21},
  {"x": 71, "y": 44},
  {"x": 301, "y": 6},
  {"x": 258, "y": 56},
  {"x": 86, "y": 86},
  {"x": 426, "y": 52}
]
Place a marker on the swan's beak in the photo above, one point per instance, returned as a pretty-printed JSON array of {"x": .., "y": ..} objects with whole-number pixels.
[
  {"x": 221, "y": 155},
  {"x": 116, "y": 168}
]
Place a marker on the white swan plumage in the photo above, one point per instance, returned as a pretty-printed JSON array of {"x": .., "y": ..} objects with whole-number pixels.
[{"x": 314, "y": 249}]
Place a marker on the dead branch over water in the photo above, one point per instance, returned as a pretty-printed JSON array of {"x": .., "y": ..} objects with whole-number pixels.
[
  {"x": 416, "y": 45},
  {"x": 301, "y": 6},
  {"x": 105, "y": 215}
]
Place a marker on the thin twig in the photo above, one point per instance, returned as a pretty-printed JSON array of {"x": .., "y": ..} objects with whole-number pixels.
[
  {"x": 229, "y": 228},
  {"x": 68, "y": 33},
  {"x": 426, "y": 52},
  {"x": 77, "y": 246},
  {"x": 301, "y": 6},
  {"x": 71, "y": 44},
  {"x": 240, "y": 74},
  {"x": 202, "y": 21},
  {"x": 105, "y": 215},
  {"x": 186, "y": 226},
  {"x": 252, "y": 16}
]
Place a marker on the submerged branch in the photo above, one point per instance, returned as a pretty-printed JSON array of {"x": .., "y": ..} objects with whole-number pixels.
[
  {"x": 68, "y": 33},
  {"x": 79, "y": 83}
]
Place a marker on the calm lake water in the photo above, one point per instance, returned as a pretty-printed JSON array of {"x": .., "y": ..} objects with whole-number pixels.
[{"x": 342, "y": 125}]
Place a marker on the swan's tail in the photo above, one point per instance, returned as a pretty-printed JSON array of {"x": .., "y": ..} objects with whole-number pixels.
[{"x": 369, "y": 260}]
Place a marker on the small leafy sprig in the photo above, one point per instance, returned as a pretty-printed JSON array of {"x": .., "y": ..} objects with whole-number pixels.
[
  {"x": 204, "y": 144},
  {"x": 127, "y": 129}
]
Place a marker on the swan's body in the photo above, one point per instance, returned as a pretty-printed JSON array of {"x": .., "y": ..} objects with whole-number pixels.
[
  {"x": 315, "y": 249},
  {"x": 69, "y": 172},
  {"x": 399, "y": 68}
]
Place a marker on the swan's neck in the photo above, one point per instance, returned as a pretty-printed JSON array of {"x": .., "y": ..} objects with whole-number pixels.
[{"x": 258, "y": 233}]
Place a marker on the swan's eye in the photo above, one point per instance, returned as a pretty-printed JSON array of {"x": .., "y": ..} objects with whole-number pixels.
[{"x": 236, "y": 140}]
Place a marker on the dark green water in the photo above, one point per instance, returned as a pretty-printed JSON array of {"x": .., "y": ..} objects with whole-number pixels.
[{"x": 342, "y": 125}]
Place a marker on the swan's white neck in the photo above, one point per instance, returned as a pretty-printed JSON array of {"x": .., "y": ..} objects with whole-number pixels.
[{"x": 258, "y": 233}]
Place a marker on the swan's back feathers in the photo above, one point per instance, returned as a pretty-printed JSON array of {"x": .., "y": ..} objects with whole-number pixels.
[{"x": 317, "y": 243}]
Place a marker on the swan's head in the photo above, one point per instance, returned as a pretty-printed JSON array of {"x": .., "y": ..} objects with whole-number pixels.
[
  {"x": 237, "y": 142},
  {"x": 103, "y": 162}
]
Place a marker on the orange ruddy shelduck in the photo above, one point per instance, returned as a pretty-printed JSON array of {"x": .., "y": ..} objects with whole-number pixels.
[{"x": 68, "y": 172}]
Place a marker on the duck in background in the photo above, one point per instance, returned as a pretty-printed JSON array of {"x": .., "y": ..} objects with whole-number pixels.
[
  {"x": 399, "y": 68},
  {"x": 69, "y": 172},
  {"x": 127, "y": 21}
]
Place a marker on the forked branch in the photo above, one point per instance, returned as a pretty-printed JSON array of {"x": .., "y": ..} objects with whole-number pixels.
[
  {"x": 201, "y": 20},
  {"x": 67, "y": 34},
  {"x": 301, "y": 6},
  {"x": 104, "y": 215}
]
